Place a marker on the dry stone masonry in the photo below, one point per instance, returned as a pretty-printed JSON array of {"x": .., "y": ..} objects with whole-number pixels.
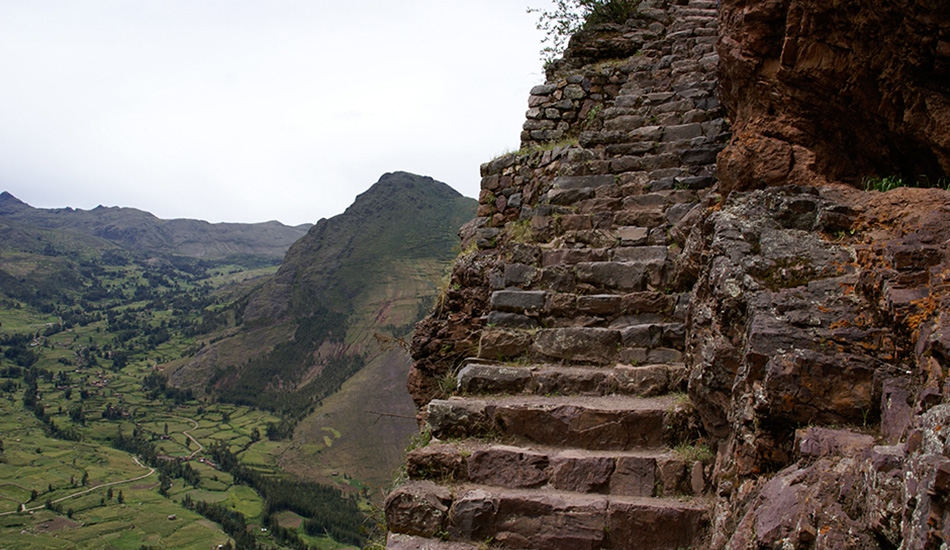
[{"x": 551, "y": 379}]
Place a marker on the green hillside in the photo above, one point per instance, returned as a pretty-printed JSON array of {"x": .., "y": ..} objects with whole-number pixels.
[{"x": 370, "y": 271}]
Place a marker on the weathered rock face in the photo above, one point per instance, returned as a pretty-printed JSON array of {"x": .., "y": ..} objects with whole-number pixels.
[
  {"x": 821, "y": 306},
  {"x": 834, "y": 91}
]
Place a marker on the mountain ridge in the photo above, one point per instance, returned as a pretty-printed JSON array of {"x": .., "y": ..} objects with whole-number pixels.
[{"x": 142, "y": 230}]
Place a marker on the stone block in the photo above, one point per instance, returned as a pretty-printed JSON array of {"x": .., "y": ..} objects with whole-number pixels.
[
  {"x": 633, "y": 525},
  {"x": 597, "y": 345},
  {"x": 582, "y": 182},
  {"x": 664, "y": 356},
  {"x": 417, "y": 508},
  {"x": 821, "y": 442},
  {"x": 499, "y": 343},
  {"x": 695, "y": 157},
  {"x": 569, "y": 196},
  {"x": 580, "y": 472},
  {"x": 477, "y": 378},
  {"x": 435, "y": 461},
  {"x": 543, "y": 89},
  {"x": 574, "y": 91},
  {"x": 672, "y": 473},
  {"x": 645, "y": 381},
  {"x": 455, "y": 417},
  {"x": 634, "y": 476},
  {"x": 576, "y": 382},
  {"x": 646, "y": 133},
  {"x": 511, "y": 320},
  {"x": 632, "y": 236},
  {"x": 472, "y": 516},
  {"x": 655, "y": 255},
  {"x": 558, "y": 278},
  {"x": 599, "y": 304},
  {"x": 897, "y": 411},
  {"x": 517, "y": 300},
  {"x": 649, "y": 302},
  {"x": 640, "y": 217},
  {"x": 397, "y": 541},
  {"x": 682, "y": 132},
  {"x": 510, "y": 467},
  {"x": 520, "y": 274},
  {"x": 550, "y": 522},
  {"x": 614, "y": 275},
  {"x": 697, "y": 478},
  {"x": 643, "y": 336}
]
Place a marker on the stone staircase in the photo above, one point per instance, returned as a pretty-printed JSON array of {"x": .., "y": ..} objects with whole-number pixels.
[{"x": 570, "y": 428}]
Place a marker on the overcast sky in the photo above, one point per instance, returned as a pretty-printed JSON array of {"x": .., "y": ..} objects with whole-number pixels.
[{"x": 255, "y": 110}]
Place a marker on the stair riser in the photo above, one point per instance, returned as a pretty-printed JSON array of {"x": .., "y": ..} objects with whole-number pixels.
[
  {"x": 640, "y": 381},
  {"x": 562, "y": 425},
  {"x": 538, "y": 522},
  {"x": 513, "y": 468}
]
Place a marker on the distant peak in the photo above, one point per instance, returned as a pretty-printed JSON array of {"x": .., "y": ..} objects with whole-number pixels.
[
  {"x": 9, "y": 203},
  {"x": 409, "y": 181}
]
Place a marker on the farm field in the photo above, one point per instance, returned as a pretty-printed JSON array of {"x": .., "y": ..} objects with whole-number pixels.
[{"x": 97, "y": 450}]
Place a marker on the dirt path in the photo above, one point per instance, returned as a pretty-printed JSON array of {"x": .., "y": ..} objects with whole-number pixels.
[
  {"x": 86, "y": 491},
  {"x": 189, "y": 436}
]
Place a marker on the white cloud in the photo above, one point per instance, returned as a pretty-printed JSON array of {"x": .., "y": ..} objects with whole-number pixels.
[{"x": 254, "y": 110}]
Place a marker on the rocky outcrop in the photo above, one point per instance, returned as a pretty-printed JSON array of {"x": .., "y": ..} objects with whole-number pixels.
[
  {"x": 634, "y": 257},
  {"x": 821, "y": 92},
  {"x": 820, "y": 307}
]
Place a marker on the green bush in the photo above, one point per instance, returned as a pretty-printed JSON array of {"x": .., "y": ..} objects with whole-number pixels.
[{"x": 570, "y": 16}]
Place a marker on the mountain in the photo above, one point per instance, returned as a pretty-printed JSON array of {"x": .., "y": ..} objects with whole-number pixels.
[
  {"x": 321, "y": 325},
  {"x": 138, "y": 230}
]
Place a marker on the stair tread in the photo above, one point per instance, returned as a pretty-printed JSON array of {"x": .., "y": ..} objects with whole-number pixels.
[
  {"x": 571, "y": 497},
  {"x": 646, "y": 380},
  {"x": 474, "y": 445},
  {"x": 605, "y": 402}
]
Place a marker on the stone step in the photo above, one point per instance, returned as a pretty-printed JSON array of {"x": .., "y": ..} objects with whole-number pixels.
[
  {"x": 597, "y": 423},
  {"x": 628, "y": 473},
  {"x": 623, "y": 341},
  {"x": 537, "y": 519},
  {"x": 514, "y": 300},
  {"x": 397, "y": 541},
  {"x": 526, "y": 308},
  {"x": 633, "y": 248},
  {"x": 644, "y": 381}
]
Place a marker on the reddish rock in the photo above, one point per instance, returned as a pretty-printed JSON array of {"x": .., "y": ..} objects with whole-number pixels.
[
  {"x": 472, "y": 516},
  {"x": 505, "y": 466},
  {"x": 580, "y": 472},
  {"x": 435, "y": 461},
  {"x": 556, "y": 522},
  {"x": 634, "y": 476},
  {"x": 498, "y": 343},
  {"x": 597, "y": 345},
  {"x": 417, "y": 508},
  {"x": 822, "y": 92},
  {"x": 633, "y": 525},
  {"x": 821, "y": 442}
]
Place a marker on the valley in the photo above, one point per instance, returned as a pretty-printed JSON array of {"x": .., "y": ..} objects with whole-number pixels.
[
  {"x": 78, "y": 376},
  {"x": 158, "y": 400}
]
